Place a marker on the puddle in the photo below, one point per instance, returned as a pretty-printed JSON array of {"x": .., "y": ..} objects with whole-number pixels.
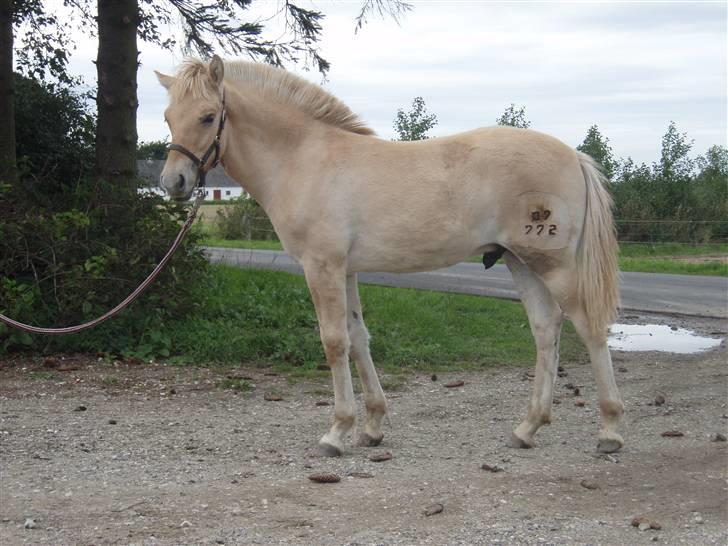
[{"x": 658, "y": 337}]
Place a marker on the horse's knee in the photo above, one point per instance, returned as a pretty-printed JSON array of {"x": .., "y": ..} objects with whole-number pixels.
[{"x": 336, "y": 347}]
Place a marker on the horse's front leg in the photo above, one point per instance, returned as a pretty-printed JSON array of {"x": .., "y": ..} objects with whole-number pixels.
[
  {"x": 327, "y": 282},
  {"x": 374, "y": 401}
]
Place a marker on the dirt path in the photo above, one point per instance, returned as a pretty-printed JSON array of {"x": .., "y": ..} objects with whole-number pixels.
[{"x": 164, "y": 455}]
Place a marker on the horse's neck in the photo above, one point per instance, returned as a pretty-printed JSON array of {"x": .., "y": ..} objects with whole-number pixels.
[{"x": 261, "y": 138}]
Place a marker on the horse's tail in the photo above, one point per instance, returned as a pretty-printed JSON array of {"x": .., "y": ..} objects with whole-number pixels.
[{"x": 597, "y": 266}]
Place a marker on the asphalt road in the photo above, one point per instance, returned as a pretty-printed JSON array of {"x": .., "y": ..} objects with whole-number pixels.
[{"x": 647, "y": 292}]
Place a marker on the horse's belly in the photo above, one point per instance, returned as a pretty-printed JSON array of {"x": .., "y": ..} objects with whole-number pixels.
[{"x": 402, "y": 256}]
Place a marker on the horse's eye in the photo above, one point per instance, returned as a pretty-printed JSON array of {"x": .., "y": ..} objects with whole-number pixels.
[{"x": 209, "y": 118}]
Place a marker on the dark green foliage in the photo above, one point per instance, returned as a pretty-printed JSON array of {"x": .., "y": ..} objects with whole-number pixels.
[
  {"x": 42, "y": 50},
  {"x": 597, "y": 146},
  {"x": 72, "y": 248},
  {"x": 70, "y": 259},
  {"x": 244, "y": 219},
  {"x": 413, "y": 125},
  {"x": 676, "y": 199},
  {"x": 54, "y": 133},
  {"x": 154, "y": 149},
  {"x": 514, "y": 117}
]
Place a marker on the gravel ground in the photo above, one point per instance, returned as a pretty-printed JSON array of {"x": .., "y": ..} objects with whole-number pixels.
[{"x": 132, "y": 453}]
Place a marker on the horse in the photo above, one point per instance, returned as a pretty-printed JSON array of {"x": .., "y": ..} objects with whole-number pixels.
[{"x": 344, "y": 201}]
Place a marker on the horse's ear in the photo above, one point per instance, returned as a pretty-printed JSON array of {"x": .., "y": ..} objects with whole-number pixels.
[
  {"x": 217, "y": 70},
  {"x": 165, "y": 80}
]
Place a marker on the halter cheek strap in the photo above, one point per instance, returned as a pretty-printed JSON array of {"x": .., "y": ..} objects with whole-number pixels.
[{"x": 214, "y": 147}]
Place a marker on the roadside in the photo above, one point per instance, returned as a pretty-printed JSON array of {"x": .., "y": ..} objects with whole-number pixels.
[
  {"x": 709, "y": 260},
  {"x": 157, "y": 454}
]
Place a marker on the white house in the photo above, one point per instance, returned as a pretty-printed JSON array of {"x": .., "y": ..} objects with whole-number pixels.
[{"x": 219, "y": 186}]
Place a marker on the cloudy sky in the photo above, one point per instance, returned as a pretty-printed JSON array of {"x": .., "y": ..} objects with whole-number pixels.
[{"x": 629, "y": 67}]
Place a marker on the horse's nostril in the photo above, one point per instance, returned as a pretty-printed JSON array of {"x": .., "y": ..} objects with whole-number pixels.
[{"x": 181, "y": 182}]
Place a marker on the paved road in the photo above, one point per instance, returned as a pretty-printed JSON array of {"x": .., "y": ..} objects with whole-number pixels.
[{"x": 651, "y": 292}]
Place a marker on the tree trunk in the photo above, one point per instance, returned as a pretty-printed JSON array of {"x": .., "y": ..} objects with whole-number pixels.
[
  {"x": 8, "y": 172},
  {"x": 116, "y": 65}
]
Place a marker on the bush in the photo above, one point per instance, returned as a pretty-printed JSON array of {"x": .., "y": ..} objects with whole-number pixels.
[
  {"x": 244, "y": 219},
  {"x": 73, "y": 258}
]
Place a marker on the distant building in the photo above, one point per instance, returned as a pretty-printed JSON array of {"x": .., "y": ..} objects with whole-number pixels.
[{"x": 218, "y": 187}]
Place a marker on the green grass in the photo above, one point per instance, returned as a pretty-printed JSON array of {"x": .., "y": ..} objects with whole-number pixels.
[
  {"x": 643, "y": 250},
  {"x": 266, "y": 317},
  {"x": 660, "y": 258},
  {"x": 255, "y": 245},
  {"x": 648, "y": 265}
]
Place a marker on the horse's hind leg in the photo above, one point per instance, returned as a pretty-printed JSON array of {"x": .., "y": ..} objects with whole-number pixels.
[
  {"x": 545, "y": 318},
  {"x": 327, "y": 283},
  {"x": 376, "y": 405},
  {"x": 610, "y": 401}
]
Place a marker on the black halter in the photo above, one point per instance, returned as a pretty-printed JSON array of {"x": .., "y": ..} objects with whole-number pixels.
[{"x": 214, "y": 147}]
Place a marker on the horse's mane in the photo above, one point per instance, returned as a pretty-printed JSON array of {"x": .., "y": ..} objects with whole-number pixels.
[{"x": 275, "y": 83}]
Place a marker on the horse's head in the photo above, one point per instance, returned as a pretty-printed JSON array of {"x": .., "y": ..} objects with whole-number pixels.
[{"x": 195, "y": 117}]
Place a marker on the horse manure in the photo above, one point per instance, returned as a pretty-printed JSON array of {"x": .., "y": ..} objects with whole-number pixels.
[
  {"x": 659, "y": 400},
  {"x": 434, "y": 377},
  {"x": 579, "y": 403},
  {"x": 380, "y": 457},
  {"x": 323, "y": 403},
  {"x": 453, "y": 384},
  {"x": 588, "y": 484},
  {"x": 50, "y": 362},
  {"x": 672, "y": 434},
  {"x": 491, "y": 468},
  {"x": 270, "y": 397},
  {"x": 642, "y": 523},
  {"x": 434, "y": 509},
  {"x": 325, "y": 477}
]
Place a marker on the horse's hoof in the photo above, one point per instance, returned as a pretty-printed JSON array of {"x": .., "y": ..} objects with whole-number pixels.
[
  {"x": 518, "y": 443},
  {"x": 610, "y": 445},
  {"x": 328, "y": 450},
  {"x": 365, "y": 440}
]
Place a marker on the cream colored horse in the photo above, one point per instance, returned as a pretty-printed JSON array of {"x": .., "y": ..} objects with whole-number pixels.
[{"x": 343, "y": 201}]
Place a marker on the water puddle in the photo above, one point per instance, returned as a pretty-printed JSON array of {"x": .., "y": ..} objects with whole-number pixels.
[{"x": 658, "y": 337}]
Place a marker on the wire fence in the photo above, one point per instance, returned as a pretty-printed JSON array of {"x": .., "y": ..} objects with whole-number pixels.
[{"x": 678, "y": 232}]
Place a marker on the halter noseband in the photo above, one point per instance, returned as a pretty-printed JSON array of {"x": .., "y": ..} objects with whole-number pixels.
[{"x": 214, "y": 147}]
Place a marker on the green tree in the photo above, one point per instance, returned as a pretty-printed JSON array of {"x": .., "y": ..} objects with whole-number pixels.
[
  {"x": 154, "y": 149},
  {"x": 413, "y": 125},
  {"x": 7, "y": 95},
  {"x": 710, "y": 189},
  {"x": 597, "y": 146},
  {"x": 514, "y": 117},
  {"x": 54, "y": 134},
  {"x": 673, "y": 174}
]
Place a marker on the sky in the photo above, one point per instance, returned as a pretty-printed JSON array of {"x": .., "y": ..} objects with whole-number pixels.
[{"x": 628, "y": 67}]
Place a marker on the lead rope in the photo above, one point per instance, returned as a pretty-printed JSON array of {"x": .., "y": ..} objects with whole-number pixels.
[{"x": 200, "y": 197}]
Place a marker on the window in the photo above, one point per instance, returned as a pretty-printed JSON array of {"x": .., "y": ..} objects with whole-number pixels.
[{"x": 227, "y": 192}]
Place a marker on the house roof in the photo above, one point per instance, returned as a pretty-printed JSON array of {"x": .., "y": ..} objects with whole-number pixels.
[{"x": 150, "y": 169}]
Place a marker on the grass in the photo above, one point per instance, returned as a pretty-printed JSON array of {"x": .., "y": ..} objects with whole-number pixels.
[
  {"x": 266, "y": 317},
  {"x": 644, "y": 250},
  {"x": 255, "y": 245},
  {"x": 651, "y": 265},
  {"x": 660, "y": 258}
]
